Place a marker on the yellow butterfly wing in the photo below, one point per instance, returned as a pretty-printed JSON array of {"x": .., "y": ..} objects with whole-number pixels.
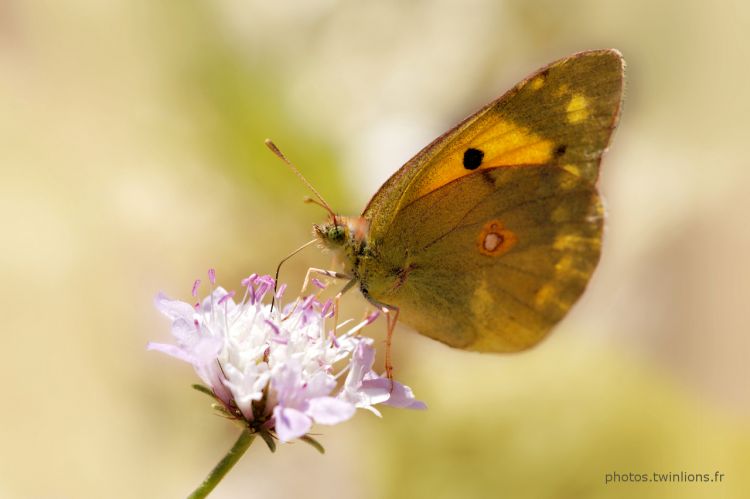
[
  {"x": 488, "y": 251},
  {"x": 563, "y": 114}
]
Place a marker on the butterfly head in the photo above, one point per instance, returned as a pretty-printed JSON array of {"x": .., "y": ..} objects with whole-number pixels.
[
  {"x": 341, "y": 232},
  {"x": 333, "y": 234}
]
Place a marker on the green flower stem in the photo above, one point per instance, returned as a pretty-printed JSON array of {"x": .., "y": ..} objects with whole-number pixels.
[{"x": 221, "y": 469}]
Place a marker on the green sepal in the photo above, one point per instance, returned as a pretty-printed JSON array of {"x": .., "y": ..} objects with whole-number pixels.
[
  {"x": 268, "y": 439},
  {"x": 206, "y": 390},
  {"x": 310, "y": 440},
  {"x": 223, "y": 411}
]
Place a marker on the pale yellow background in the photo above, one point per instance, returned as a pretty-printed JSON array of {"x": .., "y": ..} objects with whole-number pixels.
[{"x": 132, "y": 159}]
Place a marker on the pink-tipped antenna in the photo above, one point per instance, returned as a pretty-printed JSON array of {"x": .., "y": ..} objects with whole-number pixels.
[{"x": 320, "y": 201}]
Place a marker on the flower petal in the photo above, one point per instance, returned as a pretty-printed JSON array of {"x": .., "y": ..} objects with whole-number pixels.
[
  {"x": 207, "y": 349},
  {"x": 174, "y": 309},
  {"x": 290, "y": 423},
  {"x": 246, "y": 386},
  {"x": 400, "y": 395},
  {"x": 329, "y": 410},
  {"x": 185, "y": 332},
  {"x": 375, "y": 391},
  {"x": 172, "y": 350},
  {"x": 320, "y": 384},
  {"x": 362, "y": 360},
  {"x": 285, "y": 382},
  {"x": 212, "y": 301}
]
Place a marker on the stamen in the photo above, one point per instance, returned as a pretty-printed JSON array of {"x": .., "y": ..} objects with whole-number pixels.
[
  {"x": 318, "y": 283},
  {"x": 243, "y": 302},
  {"x": 326, "y": 308},
  {"x": 344, "y": 323},
  {"x": 195, "y": 287},
  {"x": 371, "y": 318},
  {"x": 334, "y": 341},
  {"x": 359, "y": 326},
  {"x": 267, "y": 279},
  {"x": 248, "y": 281},
  {"x": 273, "y": 326},
  {"x": 212, "y": 279},
  {"x": 226, "y": 297},
  {"x": 306, "y": 303},
  {"x": 262, "y": 290}
]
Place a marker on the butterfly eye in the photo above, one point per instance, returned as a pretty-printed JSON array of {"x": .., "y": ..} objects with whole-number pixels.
[{"x": 336, "y": 233}]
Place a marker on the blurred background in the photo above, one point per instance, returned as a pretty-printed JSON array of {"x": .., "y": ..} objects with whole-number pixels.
[{"x": 132, "y": 160}]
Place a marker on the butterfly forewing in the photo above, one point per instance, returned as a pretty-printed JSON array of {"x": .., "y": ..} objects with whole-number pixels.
[{"x": 563, "y": 114}]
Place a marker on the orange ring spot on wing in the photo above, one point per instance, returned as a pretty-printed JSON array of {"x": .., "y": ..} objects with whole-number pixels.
[{"x": 494, "y": 239}]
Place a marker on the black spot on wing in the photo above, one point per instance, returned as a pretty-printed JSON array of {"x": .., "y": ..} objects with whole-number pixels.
[{"x": 473, "y": 158}]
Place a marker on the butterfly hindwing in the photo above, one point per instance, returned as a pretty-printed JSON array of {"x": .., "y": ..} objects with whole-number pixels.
[
  {"x": 513, "y": 249},
  {"x": 487, "y": 237}
]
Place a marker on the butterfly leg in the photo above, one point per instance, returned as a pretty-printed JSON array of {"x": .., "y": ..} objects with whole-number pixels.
[
  {"x": 327, "y": 273},
  {"x": 391, "y": 316},
  {"x": 337, "y": 299}
]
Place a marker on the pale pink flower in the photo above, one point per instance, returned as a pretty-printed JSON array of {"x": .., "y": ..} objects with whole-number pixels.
[{"x": 276, "y": 371}]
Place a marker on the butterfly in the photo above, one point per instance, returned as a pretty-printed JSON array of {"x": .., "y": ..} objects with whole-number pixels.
[{"x": 487, "y": 237}]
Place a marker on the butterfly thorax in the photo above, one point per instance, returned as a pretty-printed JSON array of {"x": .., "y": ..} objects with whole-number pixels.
[{"x": 347, "y": 235}]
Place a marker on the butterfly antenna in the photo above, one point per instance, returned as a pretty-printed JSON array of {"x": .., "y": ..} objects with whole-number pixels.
[
  {"x": 320, "y": 201},
  {"x": 278, "y": 269},
  {"x": 310, "y": 200}
]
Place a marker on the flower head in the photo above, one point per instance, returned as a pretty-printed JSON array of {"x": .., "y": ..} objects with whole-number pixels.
[{"x": 275, "y": 370}]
